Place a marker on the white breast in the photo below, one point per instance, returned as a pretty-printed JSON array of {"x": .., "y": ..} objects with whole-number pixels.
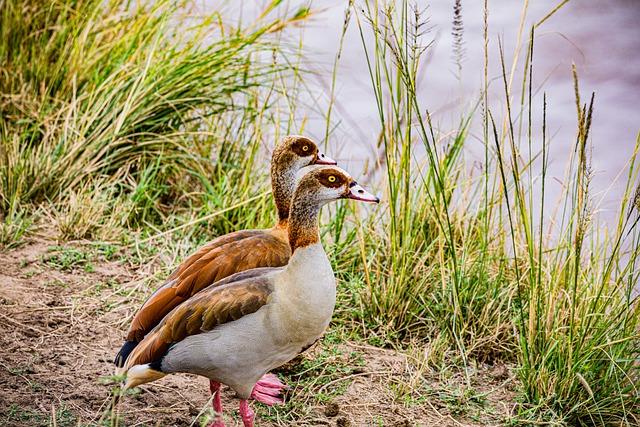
[{"x": 306, "y": 291}]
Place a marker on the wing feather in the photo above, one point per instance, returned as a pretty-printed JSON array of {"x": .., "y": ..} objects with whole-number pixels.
[
  {"x": 243, "y": 294},
  {"x": 221, "y": 258}
]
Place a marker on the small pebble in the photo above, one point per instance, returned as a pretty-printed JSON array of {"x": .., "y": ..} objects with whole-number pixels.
[
  {"x": 332, "y": 409},
  {"x": 343, "y": 422}
]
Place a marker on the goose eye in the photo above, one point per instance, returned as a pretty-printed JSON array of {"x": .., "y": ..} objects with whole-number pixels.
[
  {"x": 305, "y": 148},
  {"x": 332, "y": 178}
]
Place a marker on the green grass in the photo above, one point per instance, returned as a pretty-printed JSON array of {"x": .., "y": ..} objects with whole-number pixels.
[
  {"x": 466, "y": 262},
  {"x": 316, "y": 379},
  {"x": 110, "y": 101},
  {"x": 67, "y": 258},
  {"x": 119, "y": 128},
  {"x": 61, "y": 416}
]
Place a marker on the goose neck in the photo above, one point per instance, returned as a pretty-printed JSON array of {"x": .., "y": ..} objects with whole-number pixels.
[
  {"x": 303, "y": 224},
  {"x": 283, "y": 180}
]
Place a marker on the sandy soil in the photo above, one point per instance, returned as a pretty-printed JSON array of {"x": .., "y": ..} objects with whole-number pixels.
[{"x": 63, "y": 312}]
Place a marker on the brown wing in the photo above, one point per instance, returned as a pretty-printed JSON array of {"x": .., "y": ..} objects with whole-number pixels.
[
  {"x": 241, "y": 294},
  {"x": 229, "y": 254}
]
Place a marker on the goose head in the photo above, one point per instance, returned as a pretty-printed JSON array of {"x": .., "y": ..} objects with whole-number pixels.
[
  {"x": 319, "y": 186},
  {"x": 324, "y": 184},
  {"x": 292, "y": 154},
  {"x": 295, "y": 152}
]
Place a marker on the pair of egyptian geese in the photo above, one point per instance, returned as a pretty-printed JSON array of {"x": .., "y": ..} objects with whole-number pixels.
[{"x": 251, "y": 300}]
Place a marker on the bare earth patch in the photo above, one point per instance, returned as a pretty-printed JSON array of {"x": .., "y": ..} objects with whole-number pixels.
[{"x": 63, "y": 312}]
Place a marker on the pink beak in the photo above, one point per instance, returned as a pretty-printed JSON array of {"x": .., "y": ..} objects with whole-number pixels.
[
  {"x": 321, "y": 159},
  {"x": 356, "y": 192}
]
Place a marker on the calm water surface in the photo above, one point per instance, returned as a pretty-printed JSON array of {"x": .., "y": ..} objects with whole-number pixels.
[{"x": 601, "y": 37}]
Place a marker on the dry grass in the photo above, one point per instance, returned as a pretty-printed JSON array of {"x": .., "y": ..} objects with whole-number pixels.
[{"x": 64, "y": 313}]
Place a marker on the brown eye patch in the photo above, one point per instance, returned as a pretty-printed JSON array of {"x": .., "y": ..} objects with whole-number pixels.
[
  {"x": 332, "y": 178},
  {"x": 304, "y": 147}
]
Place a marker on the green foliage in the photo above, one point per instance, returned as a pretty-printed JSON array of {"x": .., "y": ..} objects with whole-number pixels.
[
  {"x": 464, "y": 260},
  {"x": 427, "y": 246},
  {"x": 67, "y": 258},
  {"x": 117, "y": 117},
  {"x": 13, "y": 227},
  {"x": 62, "y": 416},
  {"x": 318, "y": 377},
  {"x": 128, "y": 98}
]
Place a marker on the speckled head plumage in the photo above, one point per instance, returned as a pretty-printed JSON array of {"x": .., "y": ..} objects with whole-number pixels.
[
  {"x": 292, "y": 154},
  {"x": 317, "y": 187}
]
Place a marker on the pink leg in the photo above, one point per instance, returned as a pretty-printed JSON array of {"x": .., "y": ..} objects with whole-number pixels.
[
  {"x": 267, "y": 390},
  {"x": 217, "y": 403},
  {"x": 246, "y": 413}
]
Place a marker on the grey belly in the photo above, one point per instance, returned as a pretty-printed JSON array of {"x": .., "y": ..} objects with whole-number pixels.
[{"x": 236, "y": 353}]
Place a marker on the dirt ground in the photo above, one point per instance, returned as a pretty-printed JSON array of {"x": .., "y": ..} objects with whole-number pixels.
[{"x": 63, "y": 312}]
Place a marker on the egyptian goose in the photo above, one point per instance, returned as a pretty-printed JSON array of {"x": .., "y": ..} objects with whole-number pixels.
[
  {"x": 256, "y": 320},
  {"x": 233, "y": 252}
]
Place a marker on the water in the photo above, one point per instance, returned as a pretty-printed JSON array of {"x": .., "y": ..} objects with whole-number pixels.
[{"x": 601, "y": 38}]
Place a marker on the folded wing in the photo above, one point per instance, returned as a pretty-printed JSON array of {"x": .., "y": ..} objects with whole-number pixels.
[
  {"x": 237, "y": 296},
  {"x": 221, "y": 258}
]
